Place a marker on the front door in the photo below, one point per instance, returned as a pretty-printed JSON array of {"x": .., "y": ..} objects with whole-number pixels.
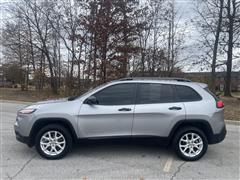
[{"x": 112, "y": 116}]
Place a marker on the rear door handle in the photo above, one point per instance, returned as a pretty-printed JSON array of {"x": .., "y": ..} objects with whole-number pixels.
[
  {"x": 125, "y": 109},
  {"x": 175, "y": 108}
]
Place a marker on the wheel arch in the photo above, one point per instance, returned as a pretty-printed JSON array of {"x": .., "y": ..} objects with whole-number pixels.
[
  {"x": 200, "y": 124},
  {"x": 40, "y": 123}
]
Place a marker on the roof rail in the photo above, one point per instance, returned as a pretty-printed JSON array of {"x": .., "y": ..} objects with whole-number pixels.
[{"x": 156, "y": 78}]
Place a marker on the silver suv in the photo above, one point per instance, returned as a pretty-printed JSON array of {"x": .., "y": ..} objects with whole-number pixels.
[{"x": 180, "y": 113}]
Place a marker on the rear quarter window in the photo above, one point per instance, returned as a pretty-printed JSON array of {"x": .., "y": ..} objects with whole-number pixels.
[
  {"x": 186, "y": 94},
  {"x": 211, "y": 93}
]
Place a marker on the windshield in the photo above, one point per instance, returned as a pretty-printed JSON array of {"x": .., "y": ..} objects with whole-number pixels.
[{"x": 88, "y": 92}]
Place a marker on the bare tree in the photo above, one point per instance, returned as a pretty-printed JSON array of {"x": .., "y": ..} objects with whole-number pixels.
[
  {"x": 72, "y": 46},
  {"x": 233, "y": 7},
  {"x": 211, "y": 26},
  {"x": 176, "y": 35},
  {"x": 219, "y": 29}
]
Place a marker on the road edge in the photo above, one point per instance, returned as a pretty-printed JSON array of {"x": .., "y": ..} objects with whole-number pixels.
[{"x": 232, "y": 122}]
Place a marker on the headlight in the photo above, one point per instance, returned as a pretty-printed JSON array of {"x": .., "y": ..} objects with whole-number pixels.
[{"x": 27, "y": 111}]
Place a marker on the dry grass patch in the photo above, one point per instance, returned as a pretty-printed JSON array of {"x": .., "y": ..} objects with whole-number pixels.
[
  {"x": 29, "y": 96},
  {"x": 232, "y": 108}
]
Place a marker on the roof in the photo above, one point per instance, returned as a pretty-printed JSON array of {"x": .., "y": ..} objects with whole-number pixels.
[
  {"x": 179, "y": 81},
  {"x": 155, "y": 79}
]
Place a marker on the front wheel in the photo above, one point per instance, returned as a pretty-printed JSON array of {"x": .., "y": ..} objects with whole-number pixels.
[
  {"x": 190, "y": 143},
  {"x": 53, "y": 141}
]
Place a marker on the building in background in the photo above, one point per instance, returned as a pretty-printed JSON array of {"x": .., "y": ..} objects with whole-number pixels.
[
  {"x": 204, "y": 77},
  {"x": 220, "y": 76}
]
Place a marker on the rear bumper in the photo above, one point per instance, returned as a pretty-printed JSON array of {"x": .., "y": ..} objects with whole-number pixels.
[{"x": 217, "y": 138}]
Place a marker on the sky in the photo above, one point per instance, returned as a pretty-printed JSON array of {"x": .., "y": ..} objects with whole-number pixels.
[{"x": 184, "y": 7}]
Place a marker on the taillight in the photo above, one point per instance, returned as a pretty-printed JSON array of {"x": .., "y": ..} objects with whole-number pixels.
[{"x": 220, "y": 104}]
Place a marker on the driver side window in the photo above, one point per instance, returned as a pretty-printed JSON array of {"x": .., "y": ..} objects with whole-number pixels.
[{"x": 119, "y": 94}]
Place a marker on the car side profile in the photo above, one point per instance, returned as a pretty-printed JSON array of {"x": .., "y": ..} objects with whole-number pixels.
[{"x": 180, "y": 113}]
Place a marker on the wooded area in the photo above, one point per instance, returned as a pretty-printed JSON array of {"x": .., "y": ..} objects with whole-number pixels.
[{"x": 72, "y": 45}]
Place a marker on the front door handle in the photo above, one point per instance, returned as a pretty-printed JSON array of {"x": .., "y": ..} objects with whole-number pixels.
[
  {"x": 175, "y": 108},
  {"x": 125, "y": 109}
]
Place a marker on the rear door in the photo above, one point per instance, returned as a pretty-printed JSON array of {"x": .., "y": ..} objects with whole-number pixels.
[
  {"x": 156, "y": 110},
  {"x": 195, "y": 107}
]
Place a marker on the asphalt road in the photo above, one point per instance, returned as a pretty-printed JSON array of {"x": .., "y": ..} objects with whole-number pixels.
[{"x": 115, "y": 160}]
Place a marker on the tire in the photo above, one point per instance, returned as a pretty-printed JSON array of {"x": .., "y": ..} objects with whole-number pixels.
[
  {"x": 50, "y": 147},
  {"x": 195, "y": 149}
]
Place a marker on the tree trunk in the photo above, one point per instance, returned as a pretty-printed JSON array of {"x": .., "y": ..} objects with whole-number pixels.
[
  {"x": 27, "y": 73},
  {"x": 53, "y": 80},
  {"x": 94, "y": 64},
  {"x": 79, "y": 63},
  {"x": 172, "y": 39},
  {"x": 215, "y": 49},
  {"x": 71, "y": 79},
  {"x": 231, "y": 17},
  {"x": 143, "y": 61},
  {"x": 154, "y": 50},
  {"x": 125, "y": 39},
  {"x": 104, "y": 58},
  {"x": 59, "y": 64},
  {"x": 169, "y": 47}
]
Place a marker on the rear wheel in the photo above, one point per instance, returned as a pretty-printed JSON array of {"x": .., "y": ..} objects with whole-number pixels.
[
  {"x": 53, "y": 141},
  {"x": 190, "y": 143}
]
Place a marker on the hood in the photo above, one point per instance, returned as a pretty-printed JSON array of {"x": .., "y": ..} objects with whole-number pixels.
[
  {"x": 52, "y": 101},
  {"x": 55, "y": 107}
]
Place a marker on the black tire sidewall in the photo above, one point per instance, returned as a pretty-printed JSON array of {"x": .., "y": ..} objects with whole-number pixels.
[
  {"x": 178, "y": 136},
  {"x": 63, "y": 131}
]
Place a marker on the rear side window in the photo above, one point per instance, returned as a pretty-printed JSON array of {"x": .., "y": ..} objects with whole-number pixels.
[
  {"x": 187, "y": 94},
  {"x": 151, "y": 93},
  {"x": 119, "y": 94}
]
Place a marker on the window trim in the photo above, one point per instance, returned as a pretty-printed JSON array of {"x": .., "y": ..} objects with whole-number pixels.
[
  {"x": 138, "y": 89},
  {"x": 178, "y": 99},
  {"x": 134, "y": 94}
]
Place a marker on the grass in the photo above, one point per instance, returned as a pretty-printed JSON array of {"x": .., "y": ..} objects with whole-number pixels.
[
  {"x": 29, "y": 96},
  {"x": 232, "y": 104},
  {"x": 232, "y": 107},
  {"x": 236, "y": 94}
]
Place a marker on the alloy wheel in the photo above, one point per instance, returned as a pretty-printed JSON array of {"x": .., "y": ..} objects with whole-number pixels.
[
  {"x": 52, "y": 143},
  {"x": 191, "y": 144}
]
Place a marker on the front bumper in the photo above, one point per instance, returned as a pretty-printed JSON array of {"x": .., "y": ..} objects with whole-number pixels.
[
  {"x": 21, "y": 138},
  {"x": 217, "y": 138}
]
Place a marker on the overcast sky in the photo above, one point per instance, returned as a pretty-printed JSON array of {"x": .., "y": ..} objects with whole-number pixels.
[{"x": 185, "y": 9}]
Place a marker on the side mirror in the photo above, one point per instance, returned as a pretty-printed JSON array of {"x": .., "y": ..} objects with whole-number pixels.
[{"x": 91, "y": 100}]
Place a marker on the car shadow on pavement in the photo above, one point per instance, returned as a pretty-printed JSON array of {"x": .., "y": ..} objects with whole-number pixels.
[{"x": 121, "y": 147}]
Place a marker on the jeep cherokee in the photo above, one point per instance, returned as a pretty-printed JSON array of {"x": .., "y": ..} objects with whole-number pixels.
[{"x": 178, "y": 112}]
